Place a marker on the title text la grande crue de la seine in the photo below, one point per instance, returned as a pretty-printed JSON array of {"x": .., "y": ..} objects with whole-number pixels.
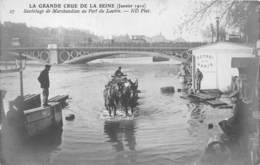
[{"x": 90, "y": 8}]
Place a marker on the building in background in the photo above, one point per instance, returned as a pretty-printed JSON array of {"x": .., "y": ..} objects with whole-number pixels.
[
  {"x": 214, "y": 61},
  {"x": 138, "y": 39}
]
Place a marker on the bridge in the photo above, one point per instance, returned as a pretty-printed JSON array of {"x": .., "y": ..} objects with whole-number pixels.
[{"x": 79, "y": 55}]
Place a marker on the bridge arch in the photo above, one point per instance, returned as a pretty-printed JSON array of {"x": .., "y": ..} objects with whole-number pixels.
[
  {"x": 98, "y": 55},
  {"x": 80, "y": 55}
]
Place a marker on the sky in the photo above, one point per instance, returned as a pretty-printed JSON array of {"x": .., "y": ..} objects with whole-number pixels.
[{"x": 163, "y": 18}]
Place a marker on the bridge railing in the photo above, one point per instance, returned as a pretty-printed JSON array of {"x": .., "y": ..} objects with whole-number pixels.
[
  {"x": 146, "y": 44},
  {"x": 61, "y": 54},
  {"x": 185, "y": 45}
]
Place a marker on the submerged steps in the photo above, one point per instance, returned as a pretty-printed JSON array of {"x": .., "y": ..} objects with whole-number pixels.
[
  {"x": 216, "y": 103},
  {"x": 207, "y": 98},
  {"x": 202, "y": 96}
]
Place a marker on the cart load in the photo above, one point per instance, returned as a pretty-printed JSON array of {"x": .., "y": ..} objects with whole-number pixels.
[{"x": 120, "y": 93}]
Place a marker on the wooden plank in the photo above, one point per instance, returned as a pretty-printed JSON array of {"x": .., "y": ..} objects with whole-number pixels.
[
  {"x": 216, "y": 102},
  {"x": 59, "y": 98},
  {"x": 66, "y": 97},
  {"x": 36, "y": 110},
  {"x": 38, "y": 115},
  {"x": 32, "y": 101},
  {"x": 54, "y": 103},
  {"x": 203, "y": 97},
  {"x": 184, "y": 97},
  {"x": 36, "y": 127},
  {"x": 212, "y": 92},
  {"x": 206, "y": 96},
  {"x": 57, "y": 111},
  {"x": 31, "y": 97},
  {"x": 26, "y": 96},
  {"x": 227, "y": 106},
  {"x": 56, "y": 98},
  {"x": 53, "y": 98}
]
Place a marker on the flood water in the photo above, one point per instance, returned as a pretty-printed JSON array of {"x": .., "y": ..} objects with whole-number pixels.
[{"x": 160, "y": 132}]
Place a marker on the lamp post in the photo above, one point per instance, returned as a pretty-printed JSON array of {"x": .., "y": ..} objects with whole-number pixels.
[
  {"x": 217, "y": 29},
  {"x": 258, "y": 47},
  {"x": 21, "y": 74},
  {"x": 16, "y": 42}
]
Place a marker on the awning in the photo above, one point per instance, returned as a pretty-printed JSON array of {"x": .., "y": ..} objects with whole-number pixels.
[{"x": 244, "y": 62}]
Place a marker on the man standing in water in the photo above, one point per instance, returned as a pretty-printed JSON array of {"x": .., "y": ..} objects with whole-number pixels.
[
  {"x": 198, "y": 78},
  {"x": 45, "y": 83}
]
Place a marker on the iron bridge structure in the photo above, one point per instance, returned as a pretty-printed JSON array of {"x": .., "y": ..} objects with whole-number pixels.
[{"x": 80, "y": 55}]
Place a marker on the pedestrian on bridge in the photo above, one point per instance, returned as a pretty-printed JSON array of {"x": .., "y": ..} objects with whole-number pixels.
[{"x": 45, "y": 83}]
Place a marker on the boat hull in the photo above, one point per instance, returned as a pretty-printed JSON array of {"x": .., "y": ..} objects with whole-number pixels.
[{"x": 38, "y": 120}]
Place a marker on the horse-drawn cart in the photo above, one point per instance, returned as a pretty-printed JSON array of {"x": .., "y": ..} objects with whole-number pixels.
[{"x": 120, "y": 93}]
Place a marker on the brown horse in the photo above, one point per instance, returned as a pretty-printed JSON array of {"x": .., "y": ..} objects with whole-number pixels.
[
  {"x": 106, "y": 97},
  {"x": 133, "y": 94},
  {"x": 133, "y": 85},
  {"x": 124, "y": 99},
  {"x": 120, "y": 92},
  {"x": 128, "y": 95},
  {"x": 132, "y": 100},
  {"x": 111, "y": 98}
]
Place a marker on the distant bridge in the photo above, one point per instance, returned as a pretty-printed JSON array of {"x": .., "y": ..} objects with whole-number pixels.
[{"x": 79, "y": 55}]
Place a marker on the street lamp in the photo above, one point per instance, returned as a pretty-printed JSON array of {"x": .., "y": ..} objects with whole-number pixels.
[
  {"x": 217, "y": 27},
  {"x": 16, "y": 43},
  {"x": 258, "y": 47}
]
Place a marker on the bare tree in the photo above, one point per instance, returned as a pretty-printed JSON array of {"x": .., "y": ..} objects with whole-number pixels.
[
  {"x": 239, "y": 14},
  {"x": 210, "y": 33}
]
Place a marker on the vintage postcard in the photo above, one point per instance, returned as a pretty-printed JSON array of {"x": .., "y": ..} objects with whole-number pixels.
[{"x": 129, "y": 82}]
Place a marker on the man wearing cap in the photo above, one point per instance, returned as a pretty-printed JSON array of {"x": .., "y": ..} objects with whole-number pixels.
[
  {"x": 45, "y": 83},
  {"x": 119, "y": 72}
]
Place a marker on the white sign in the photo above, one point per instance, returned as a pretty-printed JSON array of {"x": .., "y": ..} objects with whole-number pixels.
[
  {"x": 256, "y": 115},
  {"x": 206, "y": 62}
]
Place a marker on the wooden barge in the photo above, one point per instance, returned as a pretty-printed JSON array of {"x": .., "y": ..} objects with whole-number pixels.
[
  {"x": 30, "y": 119},
  {"x": 25, "y": 114}
]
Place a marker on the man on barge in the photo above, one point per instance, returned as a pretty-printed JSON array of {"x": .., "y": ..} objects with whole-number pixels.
[{"x": 45, "y": 83}]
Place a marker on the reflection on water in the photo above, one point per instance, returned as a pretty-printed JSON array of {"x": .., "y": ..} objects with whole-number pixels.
[
  {"x": 35, "y": 150},
  {"x": 157, "y": 134},
  {"x": 49, "y": 141},
  {"x": 119, "y": 133}
]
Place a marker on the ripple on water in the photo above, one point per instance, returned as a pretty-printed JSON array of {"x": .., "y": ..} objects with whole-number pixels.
[{"x": 157, "y": 134}]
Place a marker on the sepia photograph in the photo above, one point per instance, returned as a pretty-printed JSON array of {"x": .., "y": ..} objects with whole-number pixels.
[{"x": 129, "y": 82}]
